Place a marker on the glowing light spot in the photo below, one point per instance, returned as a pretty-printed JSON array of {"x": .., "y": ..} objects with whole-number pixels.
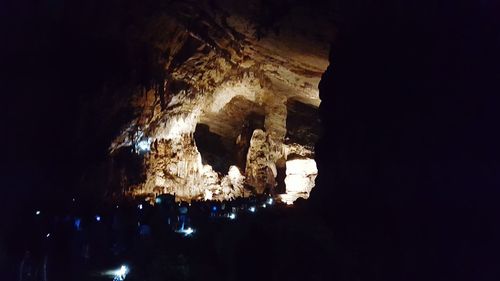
[
  {"x": 157, "y": 200},
  {"x": 186, "y": 231},
  {"x": 77, "y": 224},
  {"x": 121, "y": 273},
  {"x": 143, "y": 145},
  {"x": 270, "y": 201},
  {"x": 232, "y": 216},
  {"x": 139, "y": 206},
  {"x": 118, "y": 274},
  {"x": 252, "y": 209},
  {"x": 98, "y": 218},
  {"x": 38, "y": 213},
  {"x": 48, "y": 235},
  {"x": 189, "y": 231}
]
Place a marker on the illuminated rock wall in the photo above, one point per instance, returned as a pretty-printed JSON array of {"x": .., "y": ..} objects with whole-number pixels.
[
  {"x": 220, "y": 71},
  {"x": 260, "y": 169},
  {"x": 300, "y": 179}
]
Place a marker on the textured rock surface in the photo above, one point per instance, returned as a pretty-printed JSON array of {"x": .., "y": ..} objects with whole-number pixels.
[{"x": 223, "y": 70}]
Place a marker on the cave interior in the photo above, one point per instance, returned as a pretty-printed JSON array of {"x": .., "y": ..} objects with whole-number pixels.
[{"x": 234, "y": 112}]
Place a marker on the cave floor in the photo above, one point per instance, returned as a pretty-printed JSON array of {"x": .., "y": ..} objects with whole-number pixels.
[{"x": 257, "y": 242}]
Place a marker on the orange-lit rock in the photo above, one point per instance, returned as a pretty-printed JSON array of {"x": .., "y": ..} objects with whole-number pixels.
[{"x": 224, "y": 72}]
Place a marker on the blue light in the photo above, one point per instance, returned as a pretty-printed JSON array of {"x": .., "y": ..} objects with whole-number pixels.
[
  {"x": 143, "y": 145},
  {"x": 252, "y": 209},
  {"x": 214, "y": 208},
  {"x": 77, "y": 224},
  {"x": 157, "y": 200},
  {"x": 186, "y": 231},
  {"x": 98, "y": 218}
]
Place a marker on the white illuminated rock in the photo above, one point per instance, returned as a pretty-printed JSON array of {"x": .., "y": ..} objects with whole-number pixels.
[
  {"x": 300, "y": 178},
  {"x": 208, "y": 195},
  {"x": 229, "y": 75}
]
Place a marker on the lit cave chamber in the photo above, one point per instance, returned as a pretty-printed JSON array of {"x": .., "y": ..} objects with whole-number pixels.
[{"x": 236, "y": 113}]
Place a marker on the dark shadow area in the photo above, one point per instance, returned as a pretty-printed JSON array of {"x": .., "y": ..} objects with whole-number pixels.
[
  {"x": 408, "y": 164},
  {"x": 302, "y": 123},
  {"x": 212, "y": 149}
]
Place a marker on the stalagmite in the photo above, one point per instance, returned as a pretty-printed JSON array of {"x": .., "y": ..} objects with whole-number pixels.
[{"x": 242, "y": 88}]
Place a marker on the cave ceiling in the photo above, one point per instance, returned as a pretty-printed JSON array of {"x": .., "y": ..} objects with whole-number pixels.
[{"x": 232, "y": 72}]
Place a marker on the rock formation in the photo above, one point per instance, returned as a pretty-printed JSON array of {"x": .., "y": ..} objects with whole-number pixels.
[{"x": 224, "y": 97}]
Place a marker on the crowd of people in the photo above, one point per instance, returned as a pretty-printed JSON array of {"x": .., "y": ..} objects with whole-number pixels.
[{"x": 87, "y": 238}]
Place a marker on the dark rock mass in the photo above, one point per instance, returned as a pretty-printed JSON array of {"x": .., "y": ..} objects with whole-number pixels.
[{"x": 408, "y": 163}]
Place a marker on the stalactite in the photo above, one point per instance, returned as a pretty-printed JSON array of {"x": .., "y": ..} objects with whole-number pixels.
[{"x": 226, "y": 75}]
